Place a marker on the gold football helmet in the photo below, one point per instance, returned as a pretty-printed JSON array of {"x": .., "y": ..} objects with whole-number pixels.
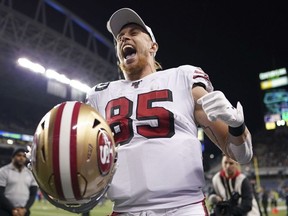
[{"x": 73, "y": 156}]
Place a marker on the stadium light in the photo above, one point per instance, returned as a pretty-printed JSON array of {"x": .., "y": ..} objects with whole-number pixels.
[
  {"x": 10, "y": 142},
  {"x": 52, "y": 74},
  {"x": 281, "y": 123},
  {"x": 24, "y": 62},
  {"x": 80, "y": 86}
]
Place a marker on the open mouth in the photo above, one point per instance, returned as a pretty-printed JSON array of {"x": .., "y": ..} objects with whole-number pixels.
[{"x": 128, "y": 51}]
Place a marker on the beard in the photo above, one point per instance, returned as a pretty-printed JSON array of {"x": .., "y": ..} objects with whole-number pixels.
[
  {"x": 134, "y": 69},
  {"x": 19, "y": 164}
]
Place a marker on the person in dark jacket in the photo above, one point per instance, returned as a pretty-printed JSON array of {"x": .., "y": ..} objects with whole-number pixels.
[
  {"x": 232, "y": 192},
  {"x": 265, "y": 200}
]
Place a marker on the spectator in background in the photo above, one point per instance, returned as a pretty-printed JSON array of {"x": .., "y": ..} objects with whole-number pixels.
[
  {"x": 39, "y": 195},
  {"x": 274, "y": 202},
  {"x": 286, "y": 198},
  {"x": 18, "y": 188},
  {"x": 233, "y": 193},
  {"x": 264, "y": 198}
]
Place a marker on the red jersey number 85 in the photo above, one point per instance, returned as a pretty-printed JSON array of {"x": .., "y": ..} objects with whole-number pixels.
[{"x": 119, "y": 111}]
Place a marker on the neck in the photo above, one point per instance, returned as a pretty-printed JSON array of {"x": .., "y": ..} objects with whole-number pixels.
[
  {"x": 231, "y": 176},
  {"x": 137, "y": 71},
  {"x": 137, "y": 76}
]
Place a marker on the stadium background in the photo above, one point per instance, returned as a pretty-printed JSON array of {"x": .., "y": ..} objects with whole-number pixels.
[{"x": 47, "y": 33}]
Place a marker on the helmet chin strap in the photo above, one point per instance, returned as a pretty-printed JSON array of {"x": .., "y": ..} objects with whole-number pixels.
[
  {"x": 75, "y": 207},
  {"x": 79, "y": 207}
]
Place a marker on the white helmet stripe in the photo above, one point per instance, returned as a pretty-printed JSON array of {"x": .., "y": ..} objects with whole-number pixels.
[{"x": 64, "y": 150}]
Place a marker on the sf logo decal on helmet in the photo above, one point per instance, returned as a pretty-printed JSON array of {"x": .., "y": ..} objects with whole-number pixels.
[
  {"x": 73, "y": 156},
  {"x": 105, "y": 152}
]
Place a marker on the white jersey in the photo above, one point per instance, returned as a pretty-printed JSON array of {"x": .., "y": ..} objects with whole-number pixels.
[{"x": 159, "y": 158}]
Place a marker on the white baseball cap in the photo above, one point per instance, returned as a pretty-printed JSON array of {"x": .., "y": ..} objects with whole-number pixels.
[{"x": 123, "y": 17}]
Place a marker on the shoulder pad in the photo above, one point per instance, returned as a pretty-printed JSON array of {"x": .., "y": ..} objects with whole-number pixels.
[{"x": 101, "y": 86}]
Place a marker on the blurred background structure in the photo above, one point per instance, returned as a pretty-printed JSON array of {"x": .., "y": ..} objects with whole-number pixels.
[{"x": 47, "y": 55}]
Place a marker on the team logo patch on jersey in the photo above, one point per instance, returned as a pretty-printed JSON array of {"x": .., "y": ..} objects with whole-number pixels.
[
  {"x": 136, "y": 84},
  {"x": 101, "y": 86},
  {"x": 105, "y": 153}
]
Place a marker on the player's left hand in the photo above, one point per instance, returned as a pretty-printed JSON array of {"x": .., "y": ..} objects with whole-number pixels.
[{"x": 217, "y": 106}]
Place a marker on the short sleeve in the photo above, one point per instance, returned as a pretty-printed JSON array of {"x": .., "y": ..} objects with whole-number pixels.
[
  {"x": 195, "y": 75},
  {"x": 199, "y": 76},
  {"x": 91, "y": 96},
  {"x": 3, "y": 177},
  {"x": 33, "y": 181}
]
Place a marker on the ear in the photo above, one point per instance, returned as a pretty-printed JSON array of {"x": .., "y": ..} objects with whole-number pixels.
[{"x": 154, "y": 48}]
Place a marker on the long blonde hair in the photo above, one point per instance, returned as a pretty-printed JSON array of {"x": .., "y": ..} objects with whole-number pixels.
[{"x": 157, "y": 65}]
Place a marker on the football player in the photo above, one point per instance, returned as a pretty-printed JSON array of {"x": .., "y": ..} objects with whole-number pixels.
[{"x": 154, "y": 117}]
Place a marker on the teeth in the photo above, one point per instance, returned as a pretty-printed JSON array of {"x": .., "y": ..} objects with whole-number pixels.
[{"x": 127, "y": 46}]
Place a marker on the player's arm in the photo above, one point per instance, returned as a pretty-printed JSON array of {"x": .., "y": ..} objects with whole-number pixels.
[{"x": 223, "y": 124}]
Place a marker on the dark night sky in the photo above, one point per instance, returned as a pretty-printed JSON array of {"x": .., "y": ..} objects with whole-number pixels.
[{"x": 232, "y": 41}]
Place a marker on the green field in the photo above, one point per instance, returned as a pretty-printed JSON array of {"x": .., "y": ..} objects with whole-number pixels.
[{"x": 46, "y": 209}]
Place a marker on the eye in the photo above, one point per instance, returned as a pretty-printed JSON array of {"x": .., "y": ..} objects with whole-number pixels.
[
  {"x": 119, "y": 37},
  {"x": 134, "y": 33}
]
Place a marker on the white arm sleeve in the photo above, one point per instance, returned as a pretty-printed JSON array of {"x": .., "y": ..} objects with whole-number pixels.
[{"x": 242, "y": 153}]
